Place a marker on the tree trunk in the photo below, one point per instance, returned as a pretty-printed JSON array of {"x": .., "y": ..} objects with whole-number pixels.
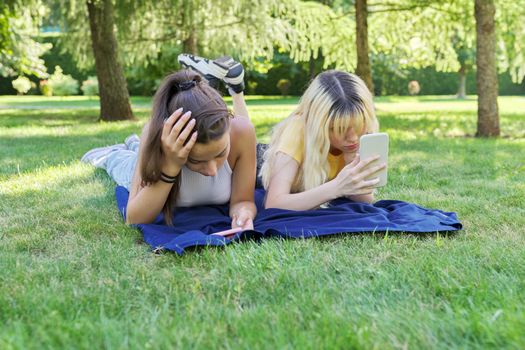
[
  {"x": 486, "y": 76},
  {"x": 189, "y": 45},
  {"x": 311, "y": 68},
  {"x": 114, "y": 96},
  {"x": 363, "y": 62},
  {"x": 462, "y": 88}
]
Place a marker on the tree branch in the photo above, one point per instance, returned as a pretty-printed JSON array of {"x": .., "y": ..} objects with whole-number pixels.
[
  {"x": 173, "y": 35},
  {"x": 396, "y": 9}
]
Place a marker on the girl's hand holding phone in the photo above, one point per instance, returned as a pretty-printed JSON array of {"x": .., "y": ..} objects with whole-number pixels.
[
  {"x": 351, "y": 180},
  {"x": 177, "y": 141}
]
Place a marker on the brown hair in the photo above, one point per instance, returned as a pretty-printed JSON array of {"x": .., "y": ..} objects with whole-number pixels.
[{"x": 188, "y": 90}]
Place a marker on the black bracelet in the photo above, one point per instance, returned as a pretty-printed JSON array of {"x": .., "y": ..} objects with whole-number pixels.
[
  {"x": 167, "y": 176},
  {"x": 168, "y": 179}
]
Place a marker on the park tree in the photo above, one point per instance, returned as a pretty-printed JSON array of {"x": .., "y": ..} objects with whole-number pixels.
[
  {"x": 497, "y": 48},
  {"x": 400, "y": 31},
  {"x": 478, "y": 42},
  {"x": 363, "y": 69},
  {"x": 348, "y": 33},
  {"x": 146, "y": 31},
  {"x": 466, "y": 56},
  {"x": 113, "y": 91},
  {"x": 486, "y": 74},
  {"x": 89, "y": 33}
]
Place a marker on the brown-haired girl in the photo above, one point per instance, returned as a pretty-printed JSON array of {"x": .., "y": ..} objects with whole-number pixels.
[{"x": 193, "y": 151}]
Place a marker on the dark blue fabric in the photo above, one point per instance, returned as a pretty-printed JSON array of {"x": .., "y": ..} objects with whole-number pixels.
[{"x": 193, "y": 225}]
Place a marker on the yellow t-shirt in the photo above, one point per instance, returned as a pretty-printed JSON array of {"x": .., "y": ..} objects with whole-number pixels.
[{"x": 292, "y": 144}]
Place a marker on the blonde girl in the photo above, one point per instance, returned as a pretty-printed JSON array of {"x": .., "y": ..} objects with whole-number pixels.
[{"x": 312, "y": 157}]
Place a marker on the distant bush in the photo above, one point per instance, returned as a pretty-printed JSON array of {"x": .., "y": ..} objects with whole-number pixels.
[
  {"x": 284, "y": 86},
  {"x": 45, "y": 88},
  {"x": 90, "y": 86},
  {"x": 22, "y": 85},
  {"x": 62, "y": 84},
  {"x": 252, "y": 87},
  {"x": 413, "y": 87}
]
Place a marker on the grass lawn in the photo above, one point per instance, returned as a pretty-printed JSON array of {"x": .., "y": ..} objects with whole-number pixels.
[{"x": 72, "y": 275}]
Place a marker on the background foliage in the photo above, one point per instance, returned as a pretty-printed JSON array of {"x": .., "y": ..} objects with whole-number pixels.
[{"x": 423, "y": 40}]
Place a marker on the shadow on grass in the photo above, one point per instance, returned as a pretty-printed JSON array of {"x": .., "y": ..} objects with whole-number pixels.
[
  {"x": 79, "y": 207},
  {"x": 54, "y": 118},
  {"x": 36, "y": 102},
  {"x": 29, "y": 153}
]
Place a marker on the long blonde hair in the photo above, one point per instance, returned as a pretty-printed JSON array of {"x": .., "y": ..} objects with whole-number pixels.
[{"x": 334, "y": 100}]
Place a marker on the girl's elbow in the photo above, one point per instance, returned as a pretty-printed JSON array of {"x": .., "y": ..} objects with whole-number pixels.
[
  {"x": 130, "y": 220},
  {"x": 268, "y": 203},
  {"x": 273, "y": 203},
  {"x": 134, "y": 219}
]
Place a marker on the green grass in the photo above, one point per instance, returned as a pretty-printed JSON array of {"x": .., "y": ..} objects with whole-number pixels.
[{"x": 74, "y": 276}]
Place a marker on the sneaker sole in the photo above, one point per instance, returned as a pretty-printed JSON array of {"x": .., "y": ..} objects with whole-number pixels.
[
  {"x": 235, "y": 75},
  {"x": 203, "y": 66}
]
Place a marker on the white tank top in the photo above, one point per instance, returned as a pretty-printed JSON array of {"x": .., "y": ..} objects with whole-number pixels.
[{"x": 197, "y": 189}]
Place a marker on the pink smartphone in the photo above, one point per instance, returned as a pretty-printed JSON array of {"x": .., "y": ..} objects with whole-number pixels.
[{"x": 229, "y": 232}]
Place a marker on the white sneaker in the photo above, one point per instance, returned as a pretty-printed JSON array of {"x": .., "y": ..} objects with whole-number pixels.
[
  {"x": 234, "y": 79},
  {"x": 212, "y": 71}
]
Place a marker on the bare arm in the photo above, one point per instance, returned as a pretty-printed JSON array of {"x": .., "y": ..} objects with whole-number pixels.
[
  {"x": 365, "y": 198},
  {"x": 242, "y": 206},
  {"x": 145, "y": 203},
  {"x": 283, "y": 175},
  {"x": 349, "y": 182}
]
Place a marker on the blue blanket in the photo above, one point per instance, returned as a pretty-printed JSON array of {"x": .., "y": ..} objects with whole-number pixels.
[{"x": 193, "y": 226}]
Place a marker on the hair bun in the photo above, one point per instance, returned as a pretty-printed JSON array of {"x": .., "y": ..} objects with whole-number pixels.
[{"x": 186, "y": 85}]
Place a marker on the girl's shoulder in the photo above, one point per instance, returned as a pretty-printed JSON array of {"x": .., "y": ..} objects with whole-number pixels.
[
  {"x": 241, "y": 128},
  {"x": 242, "y": 137}
]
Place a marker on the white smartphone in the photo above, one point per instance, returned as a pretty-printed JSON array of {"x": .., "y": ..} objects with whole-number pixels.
[{"x": 371, "y": 145}]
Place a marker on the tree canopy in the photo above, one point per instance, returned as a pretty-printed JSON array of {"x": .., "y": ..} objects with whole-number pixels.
[{"x": 20, "y": 53}]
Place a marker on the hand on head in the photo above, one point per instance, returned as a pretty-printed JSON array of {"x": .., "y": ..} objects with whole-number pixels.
[{"x": 177, "y": 141}]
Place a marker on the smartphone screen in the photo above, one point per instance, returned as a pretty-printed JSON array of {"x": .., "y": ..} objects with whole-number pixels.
[{"x": 372, "y": 145}]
